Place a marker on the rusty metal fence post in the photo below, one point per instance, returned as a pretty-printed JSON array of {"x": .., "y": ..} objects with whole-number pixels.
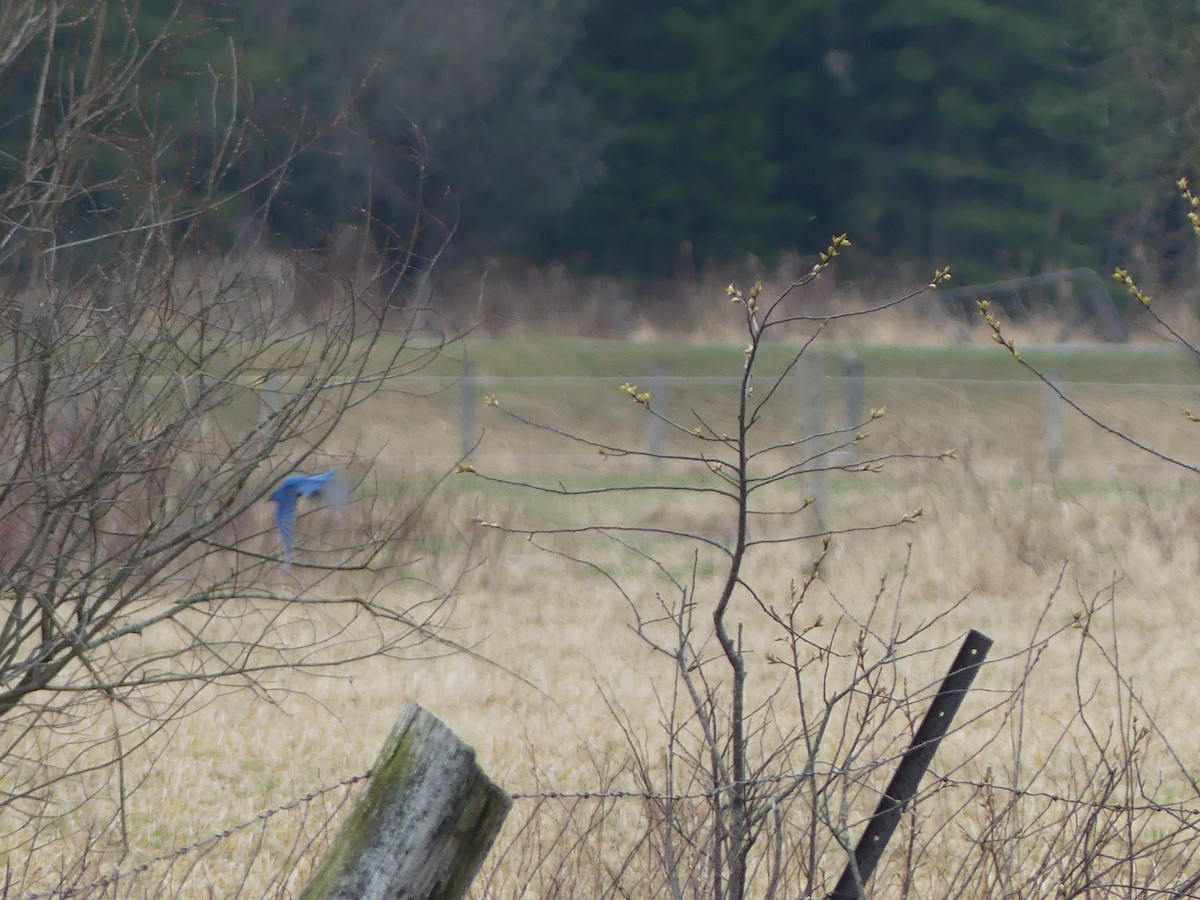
[{"x": 913, "y": 764}]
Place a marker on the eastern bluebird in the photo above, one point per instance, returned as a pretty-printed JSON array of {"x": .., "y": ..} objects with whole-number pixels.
[{"x": 328, "y": 486}]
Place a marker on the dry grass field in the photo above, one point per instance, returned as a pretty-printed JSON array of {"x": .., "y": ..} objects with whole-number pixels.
[{"x": 1092, "y": 563}]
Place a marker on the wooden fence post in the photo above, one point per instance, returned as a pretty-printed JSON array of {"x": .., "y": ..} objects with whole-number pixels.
[
  {"x": 810, "y": 376},
  {"x": 422, "y": 825},
  {"x": 467, "y": 425},
  {"x": 658, "y": 408},
  {"x": 1054, "y": 427}
]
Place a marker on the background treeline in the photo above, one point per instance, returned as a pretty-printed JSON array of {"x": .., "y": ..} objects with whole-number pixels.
[{"x": 626, "y": 136}]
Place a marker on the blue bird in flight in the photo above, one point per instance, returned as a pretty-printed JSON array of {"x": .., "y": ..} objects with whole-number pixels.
[{"x": 328, "y": 487}]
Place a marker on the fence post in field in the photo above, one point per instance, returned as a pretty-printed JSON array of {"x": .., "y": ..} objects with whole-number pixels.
[
  {"x": 1054, "y": 428},
  {"x": 422, "y": 825},
  {"x": 810, "y": 375},
  {"x": 853, "y": 392},
  {"x": 658, "y": 408},
  {"x": 916, "y": 760},
  {"x": 467, "y": 438},
  {"x": 268, "y": 397}
]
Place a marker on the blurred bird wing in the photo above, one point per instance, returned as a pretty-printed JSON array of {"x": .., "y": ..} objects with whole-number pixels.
[
  {"x": 285, "y": 517},
  {"x": 331, "y": 488}
]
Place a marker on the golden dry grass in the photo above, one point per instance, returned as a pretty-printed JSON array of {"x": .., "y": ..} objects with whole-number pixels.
[
  {"x": 996, "y": 537},
  {"x": 513, "y": 298}
]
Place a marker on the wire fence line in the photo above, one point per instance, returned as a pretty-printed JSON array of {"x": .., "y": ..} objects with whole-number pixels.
[
  {"x": 202, "y": 845},
  {"x": 1013, "y": 422},
  {"x": 272, "y": 817}
]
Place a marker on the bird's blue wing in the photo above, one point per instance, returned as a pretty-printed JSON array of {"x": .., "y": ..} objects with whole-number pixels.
[
  {"x": 329, "y": 487},
  {"x": 285, "y": 516}
]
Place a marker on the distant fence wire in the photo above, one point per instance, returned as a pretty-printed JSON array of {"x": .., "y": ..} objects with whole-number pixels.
[{"x": 1013, "y": 421}]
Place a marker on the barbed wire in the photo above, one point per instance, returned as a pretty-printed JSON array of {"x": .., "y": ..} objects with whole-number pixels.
[
  {"x": 1175, "y": 808},
  {"x": 1179, "y": 809},
  {"x": 203, "y": 843},
  {"x": 207, "y": 843}
]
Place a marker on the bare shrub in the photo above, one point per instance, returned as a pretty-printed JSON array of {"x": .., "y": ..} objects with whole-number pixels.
[
  {"x": 152, "y": 393},
  {"x": 790, "y": 702}
]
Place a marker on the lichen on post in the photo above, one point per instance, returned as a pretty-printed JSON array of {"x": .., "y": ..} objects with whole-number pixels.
[{"x": 423, "y": 824}]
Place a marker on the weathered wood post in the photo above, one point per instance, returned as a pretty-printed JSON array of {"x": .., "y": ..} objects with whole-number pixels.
[
  {"x": 467, "y": 425},
  {"x": 268, "y": 396},
  {"x": 810, "y": 375},
  {"x": 853, "y": 395},
  {"x": 658, "y": 408},
  {"x": 421, "y": 827},
  {"x": 1054, "y": 427}
]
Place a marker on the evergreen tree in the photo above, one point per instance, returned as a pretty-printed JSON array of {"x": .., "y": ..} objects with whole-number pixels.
[
  {"x": 977, "y": 130},
  {"x": 1147, "y": 91},
  {"x": 705, "y": 106}
]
